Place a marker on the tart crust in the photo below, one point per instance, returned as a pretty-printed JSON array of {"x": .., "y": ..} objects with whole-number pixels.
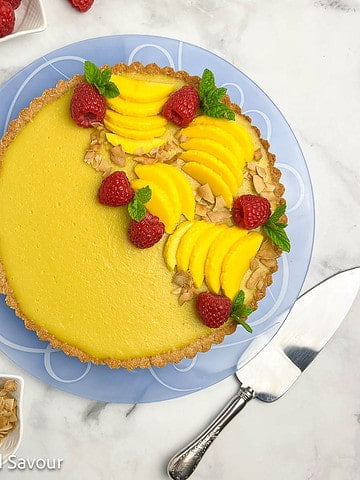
[{"x": 204, "y": 343}]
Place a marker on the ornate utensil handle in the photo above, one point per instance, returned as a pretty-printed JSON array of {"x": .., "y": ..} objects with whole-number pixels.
[{"x": 183, "y": 464}]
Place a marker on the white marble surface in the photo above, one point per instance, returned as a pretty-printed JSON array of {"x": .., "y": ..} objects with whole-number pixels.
[{"x": 305, "y": 55}]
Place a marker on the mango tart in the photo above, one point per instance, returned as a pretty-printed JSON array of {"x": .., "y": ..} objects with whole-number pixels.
[{"x": 67, "y": 267}]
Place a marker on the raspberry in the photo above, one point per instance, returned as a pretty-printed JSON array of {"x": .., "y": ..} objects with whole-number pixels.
[
  {"x": 7, "y": 18},
  {"x": 115, "y": 190},
  {"x": 147, "y": 232},
  {"x": 87, "y": 105},
  {"x": 14, "y": 3},
  {"x": 82, "y": 5},
  {"x": 251, "y": 211},
  {"x": 182, "y": 106},
  {"x": 213, "y": 310}
]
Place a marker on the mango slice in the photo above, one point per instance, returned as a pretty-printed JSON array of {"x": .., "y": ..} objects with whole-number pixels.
[
  {"x": 135, "y": 147},
  {"x": 172, "y": 244},
  {"x": 161, "y": 178},
  {"x": 237, "y": 262},
  {"x": 160, "y": 204},
  {"x": 144, "y": 134},
  {"x": 218, "y": 135},
  {"x": 135, "y": 109},
  {"x": 212, "y": 162},
  {"x": 240, "y": 134},
  {"x": 135, "y": 123},
  {"x": 142, "y": 91},
  {"x": 216, "y": 254},
  {"x": 188, "y": 241},
  {"x": 217, "y": 150},
  {"x": 205, "y": 175},
  {"x": 200, "y": 252},
  {"x": 184, "y": 189}
]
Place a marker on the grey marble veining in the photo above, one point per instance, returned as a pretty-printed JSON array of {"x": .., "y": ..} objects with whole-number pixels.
[{"x": 305, "y": 55}]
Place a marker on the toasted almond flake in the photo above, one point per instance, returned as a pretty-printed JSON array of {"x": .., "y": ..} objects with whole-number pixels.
[
  {"x": 257, "y": 154},
  {"x": 260, "y": 285},
  {"x": 259, "y": 184},
  {"x": 117, "y": 156},
  {"x": 154, "y": 151},
  {"x": 218, "y": 217},
  {"x": 182, "y": 279},
  {"x": 254, "y": 264},
  {"x": 206, "y": 193},
  {"x": 254, "y": 278},
  {"x": 220, "y": 204},
  {"x": 252, "y": 166},
  {"x": 201, "y": 210},
  {"x": 267, "y": 251},
  {"x": 145, "y": 160},
  {"x": 268, "y": 262},
  {"x": 261, "y": 171},
  {"x": 102, "y": 165},
  {"x": 107, "y": 173},
  {"x": 269, "y": 187},
  {"x": 98, "y": 125},
  {"x": 269, "y": 195},
  {"x": 176, "y": 291},
  {"x": 186, "y": 296},
  {"x": 10, "y": 385},
  {"x": 89, "y": 157}
]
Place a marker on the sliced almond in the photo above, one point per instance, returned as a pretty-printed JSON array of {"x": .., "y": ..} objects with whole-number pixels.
[
  {"x": 259, "y": 184},
  {"x": 254, "y": 278},
  {"x": 257, "y": 154},
  {"x": 206, "y": 193},
  {"x": 268, "y": 262},
  {"x": 218, "y": 217},
  {"x": 117, "y": 156},
  {"x": 182, "y": 279},
  {"x": 254, "y": 264},
  {"x": 201, "y": 210},
  {"x": 269, "y": 195},
  {"x": 261, "y": 171},
  {"x": 220, "y": 204},
  {"x": 252, "y": 166},
  {"x": 267, "y": 251}
]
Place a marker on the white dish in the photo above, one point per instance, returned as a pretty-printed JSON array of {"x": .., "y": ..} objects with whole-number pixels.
[
  {"x": 29, "y": 18},
  {"x": 11, "y": 442}
]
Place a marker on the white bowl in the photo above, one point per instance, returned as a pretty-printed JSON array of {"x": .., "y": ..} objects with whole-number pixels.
[
  {"x": 29, "y": 18},
  {"x": 11, "y": 442}
]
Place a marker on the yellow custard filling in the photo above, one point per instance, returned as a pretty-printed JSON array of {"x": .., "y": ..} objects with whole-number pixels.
[{"x": 67, "y": 258}]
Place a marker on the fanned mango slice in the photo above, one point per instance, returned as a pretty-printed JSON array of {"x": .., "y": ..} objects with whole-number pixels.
[
  {"x": 172, "y": 244},
  {"x": 218, "y": 135},
  {"x": 237, "y": 262},
  {"x": 161, "y": 178},
  {"x": 205, "y": 175},
  {"x": 184, "y": 189},
  {"x": 135, "y": 109},
  {"x": 212, "y": 162},
  {"x": 200, "y": 252},
  {"x": 144, "y": 134},
  {"x": 159, "y": 205},
  {"x": 188, "y": 242},
  {"x": 135, "y": 123},
  {"x": 142, "y": 91},
  {"x": 241, "y": 135},
  {"x": 217, "y": 150},
  {"x": 216, "y": 254},
  {"x": 135, "y": 147}
]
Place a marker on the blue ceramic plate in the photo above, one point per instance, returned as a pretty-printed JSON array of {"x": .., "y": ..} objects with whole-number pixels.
[{"x": 154, "y": 384}]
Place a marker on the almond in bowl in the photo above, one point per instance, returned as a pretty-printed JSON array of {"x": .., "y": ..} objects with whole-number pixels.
[{"x": 11, "y": 393}]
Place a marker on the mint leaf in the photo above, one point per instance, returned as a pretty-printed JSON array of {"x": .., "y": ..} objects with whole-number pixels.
[
  {"x": 210, "y": 98},
  {"x": 143, "y": 194},
  {"x": 277, "y": 235},
  {"x": 100, "y": 79},
  {"x": 136, "y": 209},
  {"x": 111, "y": 90},
  {"x": 207, "y": 83},
  {"x": 279, "y": 212},
  {"x": 239, "y": 310}
]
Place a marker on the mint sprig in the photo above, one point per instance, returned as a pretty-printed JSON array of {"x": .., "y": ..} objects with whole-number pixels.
[
  {"x": 275, "y": 230},
  {"x": 136, "y": 207},
  {"x": 239, "y": 310},
  {"x": 100, "y": 80},
  {"x": 211, "y": 96}
]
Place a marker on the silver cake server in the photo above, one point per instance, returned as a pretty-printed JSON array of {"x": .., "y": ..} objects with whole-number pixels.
[{"x": 312, "y": 321}]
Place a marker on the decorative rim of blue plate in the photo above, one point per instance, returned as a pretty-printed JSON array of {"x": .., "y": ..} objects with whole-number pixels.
[{"x": 190, "y": 375}]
